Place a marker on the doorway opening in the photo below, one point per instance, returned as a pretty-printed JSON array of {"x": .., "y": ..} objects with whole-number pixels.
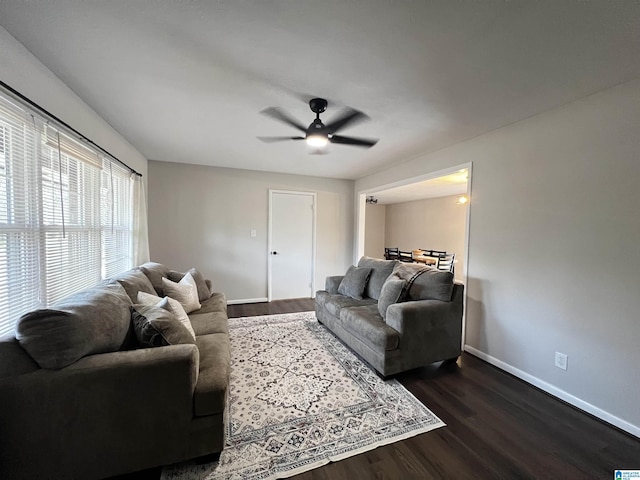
[{"x": 426, "y": 212}]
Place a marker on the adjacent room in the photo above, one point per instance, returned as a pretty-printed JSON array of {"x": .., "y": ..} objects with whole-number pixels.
[
  {"x": 431, "y": 212},
  {"x": 292, "y": 239}
]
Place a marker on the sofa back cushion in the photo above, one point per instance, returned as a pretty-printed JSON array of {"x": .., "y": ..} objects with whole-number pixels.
[
  {"x": 95, "y": 320},
  {"x": 155, "y": 272},
  {"x": 380, "y": 270},
  {"x": 134, "y": 281},
  {"x": 425, "y": 283}
]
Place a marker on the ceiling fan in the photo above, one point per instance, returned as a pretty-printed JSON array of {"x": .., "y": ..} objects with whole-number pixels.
[{"x": 317, "y": 134}]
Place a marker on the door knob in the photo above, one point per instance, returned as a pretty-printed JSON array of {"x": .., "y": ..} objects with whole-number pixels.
[{"x": 274, "y": 253}]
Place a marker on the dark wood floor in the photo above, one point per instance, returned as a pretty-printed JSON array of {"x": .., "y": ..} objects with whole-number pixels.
[
  {"x": 497, "y": 427},
  {"x": 271, "y": 308}
]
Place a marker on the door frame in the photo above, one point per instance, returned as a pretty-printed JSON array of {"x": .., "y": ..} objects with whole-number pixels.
[
  {"x": 360, "y": 221},
  {"x": 314, "y": 198}
]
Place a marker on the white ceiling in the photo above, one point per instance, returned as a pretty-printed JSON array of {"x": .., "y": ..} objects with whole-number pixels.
[{"x": 184, "y": 81}]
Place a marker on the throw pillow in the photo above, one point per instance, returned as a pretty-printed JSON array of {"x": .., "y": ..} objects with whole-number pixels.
[
  {"x": 169, "y": 304},
  {"x": 185, "y": 291},
  {"x": 354, "y": 282},
  {"x": 391, "y": 293},
  {"x": 147, "y": 298},
  {"x": 157, "y": 327},
  {"x": 204, "y": 291}
]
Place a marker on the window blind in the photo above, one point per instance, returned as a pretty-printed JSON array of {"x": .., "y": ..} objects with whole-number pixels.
[{"x": 66, "y": 214}]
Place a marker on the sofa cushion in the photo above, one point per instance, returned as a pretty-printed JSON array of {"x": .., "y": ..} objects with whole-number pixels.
[
  {"x": 425, "y": 283},
  {"x": 216, "y": 303},
  {"x": 334, "y": 303},
  {"x": 185, "y": 292},
  {"x": 155, "y": 272},
  {"x": 157, "y": 327},
  {"x": 169, "y": 304},
  {"x": 134, "y": 281},
  {"x": 206, "y": 323},
  {"x": 366, "y": 323},
  {"x": 95, "y": 320},
  {"x": 213, "y": 378},
  {"x": 354, "y": 282},
  {"x": 204, "y": 291},
  {"x": 381, "y": 269},
  {"x": 391, "y": 293}
]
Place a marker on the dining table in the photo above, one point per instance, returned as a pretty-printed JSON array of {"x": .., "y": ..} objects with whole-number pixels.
[{"x": 427, "y": 260}]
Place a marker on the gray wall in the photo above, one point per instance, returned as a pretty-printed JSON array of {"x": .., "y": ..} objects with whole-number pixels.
[
  {"x": 374, "y": 232},
  {"x": 553, "y": 248},
  {"x": 24, "y": 72},
  {"x": 202, "y": 216},
  {"x": 436, "y": 223}
]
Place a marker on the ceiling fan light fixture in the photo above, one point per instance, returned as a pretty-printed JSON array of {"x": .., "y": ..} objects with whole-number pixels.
[{"x": 317, "y": 140}]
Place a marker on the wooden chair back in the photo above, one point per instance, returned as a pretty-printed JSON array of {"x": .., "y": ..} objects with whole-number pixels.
[
  {"x": 406, "y": 257},
  {"x": 391, "y": 253},
  {"x": 446, "y": 262}
]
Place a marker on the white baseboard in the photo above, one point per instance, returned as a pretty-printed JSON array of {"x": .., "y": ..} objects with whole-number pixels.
[
  {"x": 247, "y": 300},
  {"x": 556, "y": 392}
]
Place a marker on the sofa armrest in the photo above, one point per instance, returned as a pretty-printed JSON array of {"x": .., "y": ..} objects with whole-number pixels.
[
  {"x": 331, "y": 284},
  {"x": 432, "y": 328},
  {"x": 135, "y": 406},
  {"x": 409, "y": 318}
]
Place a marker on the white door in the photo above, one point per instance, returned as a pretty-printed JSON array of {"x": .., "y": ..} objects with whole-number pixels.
[{"x": 291, "y": 244}]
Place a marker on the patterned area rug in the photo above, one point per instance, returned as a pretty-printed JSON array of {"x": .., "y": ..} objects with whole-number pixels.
[{"x": 300, "y": 399}]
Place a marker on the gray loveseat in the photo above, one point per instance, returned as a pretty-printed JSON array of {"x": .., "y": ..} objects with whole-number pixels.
[
  {"x": 80, "y": 399},
  {"x": 418, "y": 322}
]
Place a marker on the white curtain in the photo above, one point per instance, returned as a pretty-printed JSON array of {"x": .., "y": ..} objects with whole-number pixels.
[{"x": 140, "y": 229}]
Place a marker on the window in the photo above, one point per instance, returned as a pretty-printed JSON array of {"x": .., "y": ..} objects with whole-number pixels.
[{"x": 66, "y": 214}]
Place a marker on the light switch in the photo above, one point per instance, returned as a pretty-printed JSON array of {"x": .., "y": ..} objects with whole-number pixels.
[{"x": 254, "y": 233}]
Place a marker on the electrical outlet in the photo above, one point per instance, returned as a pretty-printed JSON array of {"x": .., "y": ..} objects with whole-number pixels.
[
  {"x": 253, "y": 233},
  {"x": 561, "y": 360}
]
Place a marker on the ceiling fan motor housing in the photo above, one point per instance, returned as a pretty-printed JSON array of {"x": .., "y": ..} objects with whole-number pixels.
[{"x": 318, "y": 105}]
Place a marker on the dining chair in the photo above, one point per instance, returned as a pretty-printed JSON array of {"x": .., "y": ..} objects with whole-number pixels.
[
  {"x": 391, "y": 253},
  {"x": 406, "y": 257},
  {"x": 433, "y": 253},
  {"x": 446, "y": 262}
]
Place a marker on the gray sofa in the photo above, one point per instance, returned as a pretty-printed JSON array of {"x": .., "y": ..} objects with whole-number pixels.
[
  {"x": 407, "y": 316},
  {"x": 80, "y": 399}
]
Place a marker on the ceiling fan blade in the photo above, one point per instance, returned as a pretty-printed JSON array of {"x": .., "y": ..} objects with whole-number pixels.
[
  {"x": 348, "y": 117},
  {"x": 280, "y": 115},
  {"x": 278, "y": 139},
  {"x": 358, "y": 142}
]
